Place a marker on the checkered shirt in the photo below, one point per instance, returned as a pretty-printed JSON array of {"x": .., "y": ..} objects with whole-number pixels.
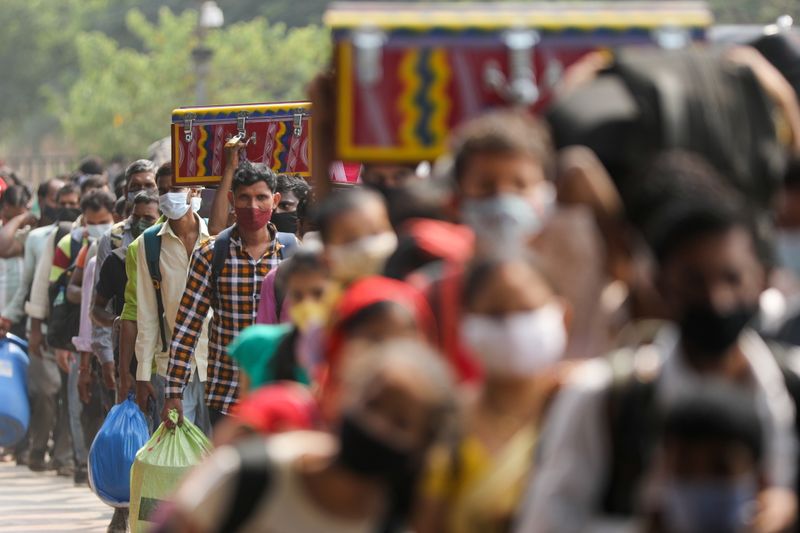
[{"x": 234, "y": 301}]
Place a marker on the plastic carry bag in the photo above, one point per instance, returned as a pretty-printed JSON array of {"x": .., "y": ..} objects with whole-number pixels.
[
  {"x": 160, "y": 465},
  {"x": 112, "y": 453}
]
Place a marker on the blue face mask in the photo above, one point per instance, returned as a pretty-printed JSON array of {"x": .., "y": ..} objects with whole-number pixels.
[{"x": 709, "y": 506}]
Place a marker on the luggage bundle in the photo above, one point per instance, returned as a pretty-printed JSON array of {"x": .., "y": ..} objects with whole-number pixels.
[{"x": 159, "y": 467}]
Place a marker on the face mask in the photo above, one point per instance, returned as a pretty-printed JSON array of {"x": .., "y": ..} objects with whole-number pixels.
[
  {"x": 519, "y": 344},
  {"x": 367, "y": 455},
  {"x": 712, "y": 332},
  {"x": 709, "y": 506},
  {"x": 363, "y": 258},
  {"x": 50, "y": 213},
  {"x": 285, "y": 222},
  {"x": 252, "y": 218},
  {"x": 139, "y": 227},
  {"x": 95, "y": 231},
  {"x": 308, "y": 314},
  {"x": 173, "y": 205},
  {"x": 787, "y": 246},
  {"x": 501, "y": 221},
  {"x": 68, "y": 214},
  {"x": 197, "y": 203}
]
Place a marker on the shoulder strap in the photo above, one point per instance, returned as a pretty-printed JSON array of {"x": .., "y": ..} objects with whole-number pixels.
[
  {"x": 61, "y": 230},
  {"x": 632, "y": 423},
  {"x": 251, "y": 484},
  {"x": 288, "y": 241},
  {"x": 222, "y": 246},
  {"x": 152, "y": 252}
]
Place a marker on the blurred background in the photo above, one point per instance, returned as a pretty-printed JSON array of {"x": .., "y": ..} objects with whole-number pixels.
[{"x": 102, "y": 76}]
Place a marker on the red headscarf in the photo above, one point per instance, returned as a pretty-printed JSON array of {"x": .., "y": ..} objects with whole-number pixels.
[
  {"x": 278, "y": 407},
  {"x": 370, "y": 291}
]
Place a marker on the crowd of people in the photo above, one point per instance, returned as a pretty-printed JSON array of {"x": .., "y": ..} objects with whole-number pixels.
[{"x": 528, "y": 339}]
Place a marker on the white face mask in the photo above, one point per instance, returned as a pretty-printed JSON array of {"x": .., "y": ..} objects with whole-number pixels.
[
  {"x": 173, "y": 205},
  {"x": 95, "y": 231},
  {"x": 508, "y": 220},
  {"x": 196, "y": 203},
  {"x": 362, "y": 258},
  {"x": 519, "y": 344}
]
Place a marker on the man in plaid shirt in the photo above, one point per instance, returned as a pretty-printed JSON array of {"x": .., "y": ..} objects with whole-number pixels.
[{"x": 253, "y": 251}]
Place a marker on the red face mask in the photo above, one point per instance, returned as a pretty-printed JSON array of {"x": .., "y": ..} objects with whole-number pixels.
[{"x": 252, "y": 218}]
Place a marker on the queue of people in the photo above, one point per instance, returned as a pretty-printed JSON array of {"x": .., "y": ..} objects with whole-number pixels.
[{"x": 529, "y": 339}]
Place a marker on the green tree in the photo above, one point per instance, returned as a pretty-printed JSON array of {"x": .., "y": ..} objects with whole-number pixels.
[
  {"x": 754, "y": 11},
  {"x": 123, "y": 97}
]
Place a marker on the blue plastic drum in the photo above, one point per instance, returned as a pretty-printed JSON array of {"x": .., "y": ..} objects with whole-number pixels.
[{"x": 15, "y": 412}]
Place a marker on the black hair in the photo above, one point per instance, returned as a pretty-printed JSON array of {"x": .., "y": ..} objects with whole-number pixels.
[
  {"x": 121, "y": 207},
  {"x": 90, "y": 165},
  {"x": 69, "y": 188},
  {"x": 303, "y": 261},
  {"x": 15, "y": 196},
  {"x": 338, "y": 204},
  {"x": 96, "y": 200},
  {"x": 9, "y": 176},
  {"x": 119, "y": 183},
  {"x": 716, "y": 413},
  {"x": 682, "y": 224},
  {"x": 372, "y": 312},
  {"x": 295, "y": 184},
  {"x": 145, "y": 197},
  {"x": 164, "y": 170},
  {"x": 503, "y": 132},
  {"x": 93, "y": 182},
  {"x": 674, "y": 177},
  {"x": 44, "y": 188},
  {"x": 485, "y": 267},
  {"x": 251, "y": 173},
  {"x": 139, "y": 166},
  {"x": 418, "y": 199}
]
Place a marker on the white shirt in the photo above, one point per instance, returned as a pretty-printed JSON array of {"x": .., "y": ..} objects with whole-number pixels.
[
  {"x": 568, "y": 482},
  {"x": 285, "y": 507},
  {"x": 174, "y": 262}
]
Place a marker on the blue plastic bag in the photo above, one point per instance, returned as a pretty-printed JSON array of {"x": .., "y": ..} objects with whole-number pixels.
[
  {"x": 113, "y": 451},
  {"x": 14, "y": 408}
]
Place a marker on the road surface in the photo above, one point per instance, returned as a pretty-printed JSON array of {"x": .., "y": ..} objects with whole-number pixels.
[{"x": 32, "y": 502}]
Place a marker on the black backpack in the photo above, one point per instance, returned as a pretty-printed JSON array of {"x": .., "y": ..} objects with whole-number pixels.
[
  {"x": 656, "y": 100},
  {"x": 65, "y": 318}
]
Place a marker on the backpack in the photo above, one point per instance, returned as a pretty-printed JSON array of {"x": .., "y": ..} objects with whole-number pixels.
[
  {"x": 657, "y": 100},
  {"x": 633, "y": 420},
  {"x": 65, "y": 319},
  {"x": 152, "y": 250}
]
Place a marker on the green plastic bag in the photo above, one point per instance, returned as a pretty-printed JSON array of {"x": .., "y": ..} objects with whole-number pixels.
[{"x": 161, "y": 465}]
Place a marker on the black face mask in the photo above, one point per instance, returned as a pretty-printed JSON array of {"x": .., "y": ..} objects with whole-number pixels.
[
  {"x": 367, "y": 455},
  {"x": 50, "y": 213},
  {"x": 68, "y": 214},
  {"x": 710, "y": 332},
  {"x": 285, "y": 222}
]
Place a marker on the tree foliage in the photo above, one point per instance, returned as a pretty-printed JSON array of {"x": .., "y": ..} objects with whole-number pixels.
[{"x": 123, "y": 97}]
